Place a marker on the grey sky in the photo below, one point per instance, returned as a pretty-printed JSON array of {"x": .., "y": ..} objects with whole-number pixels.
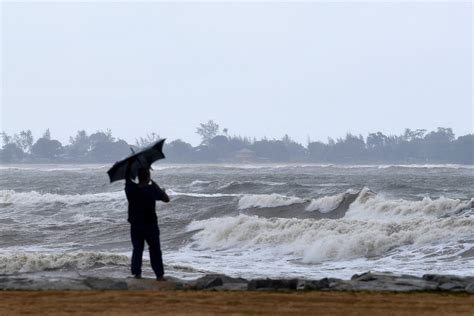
[{"x": 259, "y": 69}]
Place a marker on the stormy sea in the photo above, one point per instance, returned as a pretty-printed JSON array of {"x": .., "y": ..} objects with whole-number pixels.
[{"x": 309, "y": 221}]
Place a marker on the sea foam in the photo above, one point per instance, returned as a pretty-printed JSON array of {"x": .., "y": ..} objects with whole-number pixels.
[
  {"x": 33, "y": 197},
  {"x": 35, "y": 262},
  {"x": 319, "y": 240}
]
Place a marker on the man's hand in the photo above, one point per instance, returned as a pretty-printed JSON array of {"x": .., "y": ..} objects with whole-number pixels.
[
  {"x": 164, "y": 197},
  {"x": 157, "y": 186}
]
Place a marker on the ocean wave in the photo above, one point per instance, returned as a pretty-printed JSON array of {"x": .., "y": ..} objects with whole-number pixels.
[
  {"x": 33, "y": 167},
  {"x": 329, "y": 203},
  {"x": 200, "y": 195},
  {"x": 369, "y": 206},
  {"x": 9, "y": 197},
  {"x": 201, "y": 183},
  {"x": 344, "y": 166},
  {"x": 267, "y": 200},
  {"x": 36, "y": 262},
  {"x": 234, "y": 185},
  {"x": 81, "y": 218},
  {"x": 320, "y": 240},
  {"x": 429, "y": 166}
]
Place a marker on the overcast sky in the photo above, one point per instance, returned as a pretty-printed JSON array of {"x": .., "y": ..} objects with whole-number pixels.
[{"x": 259, "y": 69}]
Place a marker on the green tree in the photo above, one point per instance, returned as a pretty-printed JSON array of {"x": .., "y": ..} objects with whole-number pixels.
[
  {"x": 46, "y": 148},
  {"x": 179, "y": 151},
  {"x": 47, "y": 134},
  {"x": 24, "y": 140},
  {"x": 208, "y": 131},
  {"x": 6, "y": 139},
  {"x": 106, "y": 150},
  {"x": 318, "y": 151},
  {"x": 80, "y": 145},
  {"x": 149, "y": 139},
  {"x": 12, "y": 153}
]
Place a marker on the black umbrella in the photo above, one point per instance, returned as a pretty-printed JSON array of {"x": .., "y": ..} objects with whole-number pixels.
[{"x": 141, "y": 159}]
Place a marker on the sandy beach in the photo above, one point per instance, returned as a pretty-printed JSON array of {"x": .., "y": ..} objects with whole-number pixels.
[{"x": 210, "y": 302}]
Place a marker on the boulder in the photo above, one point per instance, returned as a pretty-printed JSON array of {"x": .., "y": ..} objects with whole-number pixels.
[
  {"x": 40, "y": 284},
  {"x": 376, "y": 281},
  {"x": 217, "y": 281},
  {"x": 323, "y": 284},
  {"x": 270, "y": 284},
  {"x": 470, "y": 288},
  {"x": 451, "y": 283}
]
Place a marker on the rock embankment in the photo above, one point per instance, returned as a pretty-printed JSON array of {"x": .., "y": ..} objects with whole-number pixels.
[{"x": 369, "y": 281}]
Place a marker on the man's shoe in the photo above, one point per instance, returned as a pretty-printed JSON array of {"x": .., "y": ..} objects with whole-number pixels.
[
  {"x": 137, "y": 276},
  {"x": 161, "y": 279}
]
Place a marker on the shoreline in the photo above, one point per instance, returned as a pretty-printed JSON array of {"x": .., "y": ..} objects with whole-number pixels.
[
  {"x": 368, "y": 294},
  {"x": 365, "y": 282}
]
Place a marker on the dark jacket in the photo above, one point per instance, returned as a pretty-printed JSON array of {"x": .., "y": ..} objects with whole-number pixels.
[{"x": 142, "y": 202}]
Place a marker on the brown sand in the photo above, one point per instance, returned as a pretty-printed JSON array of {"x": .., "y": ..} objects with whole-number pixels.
[{"x": 205, "y": 303}]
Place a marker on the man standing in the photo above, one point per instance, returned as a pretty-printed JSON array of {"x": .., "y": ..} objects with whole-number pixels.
[{"x": 142, "y": 199}]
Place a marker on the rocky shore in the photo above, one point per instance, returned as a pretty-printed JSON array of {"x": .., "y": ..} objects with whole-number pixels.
[{"x": 367, "y": 282}]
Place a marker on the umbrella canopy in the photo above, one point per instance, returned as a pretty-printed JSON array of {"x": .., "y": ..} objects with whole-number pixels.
[{"x": 141, "y": 159}]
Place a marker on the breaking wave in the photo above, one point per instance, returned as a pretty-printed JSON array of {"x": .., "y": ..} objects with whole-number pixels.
[
  {"x": 234, "y": 185},
  {"x": 201, "y": 183},
  {"x": 200, "y": 195},
  {"x": 429, "y": 166},
  {"x": 320, "y": 240},
  {"x": 369, "y": 206},
  {"x": 82, "y": 167},
  {"x": 329, "y": 203},
  {"x": 267, "y": 200},
  {"x": 36, "y": 262},
  {"x": 33, "y": 197}
]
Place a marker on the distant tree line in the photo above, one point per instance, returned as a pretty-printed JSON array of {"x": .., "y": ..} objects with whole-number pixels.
[{"x": 414, "y": 146}]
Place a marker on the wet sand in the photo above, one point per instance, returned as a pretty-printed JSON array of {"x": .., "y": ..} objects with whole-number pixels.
[{"x": 211, "y": 302}]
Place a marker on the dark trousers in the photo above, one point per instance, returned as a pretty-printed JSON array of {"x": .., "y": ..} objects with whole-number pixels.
[{"x": 150, "y": 234}]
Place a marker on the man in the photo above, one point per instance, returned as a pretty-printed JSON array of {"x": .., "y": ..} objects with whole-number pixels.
[{"x": 142, "y": 199}]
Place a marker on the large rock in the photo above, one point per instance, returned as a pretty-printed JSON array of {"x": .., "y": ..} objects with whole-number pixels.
[
  {"x": 322, "y": 285},
  {"x": 217, "y": 282},
  {"x": 371, "y": 281},
  {"x": 39, "y": 284},
  {"x": 269, "y": 284},
  {"x": 451, "y": 283},
  {"x": 470, "y": 288}
]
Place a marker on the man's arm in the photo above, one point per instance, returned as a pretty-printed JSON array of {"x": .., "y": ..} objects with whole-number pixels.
[
  {"x": 128, "y": 176},
  {"x": 159, "y": 193},
  {"x": 128, "y": 170}
]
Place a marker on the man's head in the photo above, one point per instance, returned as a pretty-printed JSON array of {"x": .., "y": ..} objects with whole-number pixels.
[{"x": 144, "y": 175}]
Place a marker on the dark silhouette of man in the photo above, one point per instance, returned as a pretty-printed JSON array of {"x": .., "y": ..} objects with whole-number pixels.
[{"x": 142, "y": 199}]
